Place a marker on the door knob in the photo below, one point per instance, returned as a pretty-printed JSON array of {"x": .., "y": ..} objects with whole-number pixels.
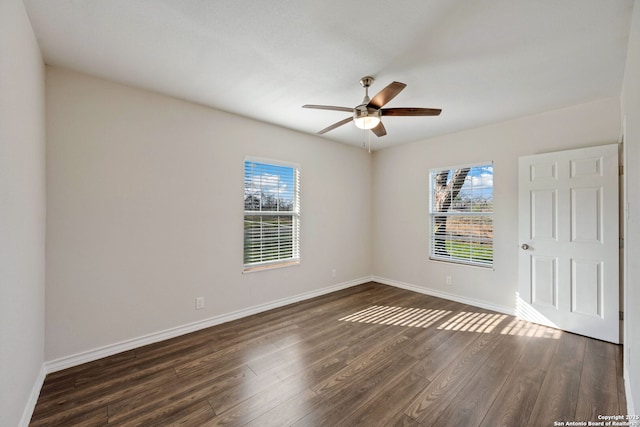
[{"x": 525, "y": 246}]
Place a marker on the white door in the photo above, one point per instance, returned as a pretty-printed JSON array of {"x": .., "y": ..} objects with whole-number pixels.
[{"x": 568, "y": 208}]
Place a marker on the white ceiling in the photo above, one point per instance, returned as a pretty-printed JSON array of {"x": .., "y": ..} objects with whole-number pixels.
[{"x": 481, "y": 61}]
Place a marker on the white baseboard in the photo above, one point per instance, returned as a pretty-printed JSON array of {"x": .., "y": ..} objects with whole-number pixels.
[
  {"x": 111, "y": 349},
  {"x": 27, "y": 413},
  {"x": 445, "y": 295}
]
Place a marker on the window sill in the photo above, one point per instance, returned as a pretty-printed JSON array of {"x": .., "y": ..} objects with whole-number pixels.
[
  {"x": 257, "y": 268},
  {"x": 464, "y": 264}
]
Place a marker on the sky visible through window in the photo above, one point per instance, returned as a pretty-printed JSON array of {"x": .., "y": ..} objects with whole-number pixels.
[
  {"x": 477, "y": 189},
  {"x": 480, "y": 179},
  {"x": 266, "y": 184}
]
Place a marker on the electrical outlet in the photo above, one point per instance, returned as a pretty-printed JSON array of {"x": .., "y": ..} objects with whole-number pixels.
[
  {"x": 333, "y": 273},
  {"x": 199, "y": 303},
  {"x": 449, "y": 280}
]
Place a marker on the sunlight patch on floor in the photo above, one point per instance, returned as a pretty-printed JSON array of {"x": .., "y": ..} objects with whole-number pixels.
[
  {"x": 399, "y": 316},
  {"x": 522, "y": 328},
  {"x": 467, "y": 321},
  {"x": 473, "y": 322}
]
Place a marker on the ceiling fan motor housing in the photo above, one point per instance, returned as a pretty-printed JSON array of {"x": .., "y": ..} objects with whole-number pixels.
[{"x": 366, "y": 117}]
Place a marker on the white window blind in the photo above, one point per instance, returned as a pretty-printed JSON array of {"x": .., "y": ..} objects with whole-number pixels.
[
  {"x": 271, "y": 215},
  {"x": 461, "y": 213}
]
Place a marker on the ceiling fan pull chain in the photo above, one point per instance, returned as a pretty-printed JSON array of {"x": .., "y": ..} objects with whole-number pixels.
[{"x": 364, "y": 138}]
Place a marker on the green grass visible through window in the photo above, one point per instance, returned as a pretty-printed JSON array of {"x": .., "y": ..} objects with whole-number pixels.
[{"x": 465, "y": 251}]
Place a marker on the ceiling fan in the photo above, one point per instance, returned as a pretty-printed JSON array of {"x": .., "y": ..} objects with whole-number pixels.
[{"x": 368, "y": 114}]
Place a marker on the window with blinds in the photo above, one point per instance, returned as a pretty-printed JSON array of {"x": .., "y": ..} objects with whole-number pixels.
[
  {"x": 461, "y": 214},
  {"x": 271, "y": 215}
]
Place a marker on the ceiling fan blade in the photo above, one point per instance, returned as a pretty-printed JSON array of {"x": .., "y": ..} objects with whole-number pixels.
[
  {"x": 335, "y": 125},
  {"x": 386, "y": 94},
  {"x": 379, "y": 130},
  {"x": 410, "y": 111},
  {"x": 328, "y": 107}
]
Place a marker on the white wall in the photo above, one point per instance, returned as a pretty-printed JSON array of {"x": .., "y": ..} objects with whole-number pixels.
[
  {"x": 144, "y": 199},
  {"x": 22, "y": 214},
  {"x": 631, "y": 112},
  {"x": 400, "y": 224}
]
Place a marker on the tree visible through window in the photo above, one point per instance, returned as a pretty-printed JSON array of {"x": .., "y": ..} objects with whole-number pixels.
[
  {"x": 461, "y": 212},
  {"x": 271, "y": 214}
]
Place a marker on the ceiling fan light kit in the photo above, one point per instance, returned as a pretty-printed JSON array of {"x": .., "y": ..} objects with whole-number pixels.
[
  {"x": 368, "y": 115},
  {"x": 366, "y": 118}
]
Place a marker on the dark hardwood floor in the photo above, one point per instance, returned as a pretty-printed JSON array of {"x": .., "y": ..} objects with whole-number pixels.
[{"x": 370, "y": 355}]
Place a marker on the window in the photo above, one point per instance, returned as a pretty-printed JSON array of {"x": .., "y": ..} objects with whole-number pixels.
[
  {"x": 461, "y": 213},
  {"x": 271, "y": 215}
]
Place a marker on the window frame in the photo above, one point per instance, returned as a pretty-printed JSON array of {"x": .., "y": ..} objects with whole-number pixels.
[
  {"x": 280, "y": 262},
  {"x": 452, "y": 214}
]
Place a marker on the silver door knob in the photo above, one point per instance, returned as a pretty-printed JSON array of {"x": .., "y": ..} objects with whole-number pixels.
[{"x": 525, "y": 246}]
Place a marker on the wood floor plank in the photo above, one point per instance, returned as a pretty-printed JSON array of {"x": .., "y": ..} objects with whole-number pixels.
[
  {"x": 290, "y": 411},
  {"x": 126, "y": 376},
  {"x": 183, "y": 390},
  {"x": 470, "y": 405},
  {"x": 314, "y": 347},
  {"x": 339, "y": 405},
  {"x": 508, "y": 353},
  {"x": 622, "y": 399},
  {"x": 257, "y": 404},
  {"x": 196, "y": 414},
  {"x": 171, "y": 414},
  {"x": 60, "y": 411},
  {"x": 382, "y": 408},
  {"x": 557, "y": 399},
  {"x": 120, "y": 359},
  {"x": 318, "y": 368},
  {"x": 89, "y": 418},
  {"x": 227, "y": 398},
  {"x": 435, "y": 398},
  {"x": 370, "y": 355},
  {"x": 516, "y": 400},
  {"x": 438, "y": 358},
  {"x": 598, "y": 385},
  {"x": 227, "y": 359},
  {"x": 541, "y": 349},
  {"x": 518, "y": 396},
  {"x": 361, "y": 366},
  {"x": 400, "y": 419}
]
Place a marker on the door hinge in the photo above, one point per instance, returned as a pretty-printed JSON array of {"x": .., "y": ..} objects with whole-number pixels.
[
  {"x": 621, "y": 315},
  {"x": 620, "y": 170},
  {"x": 621, "y": 243}
]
